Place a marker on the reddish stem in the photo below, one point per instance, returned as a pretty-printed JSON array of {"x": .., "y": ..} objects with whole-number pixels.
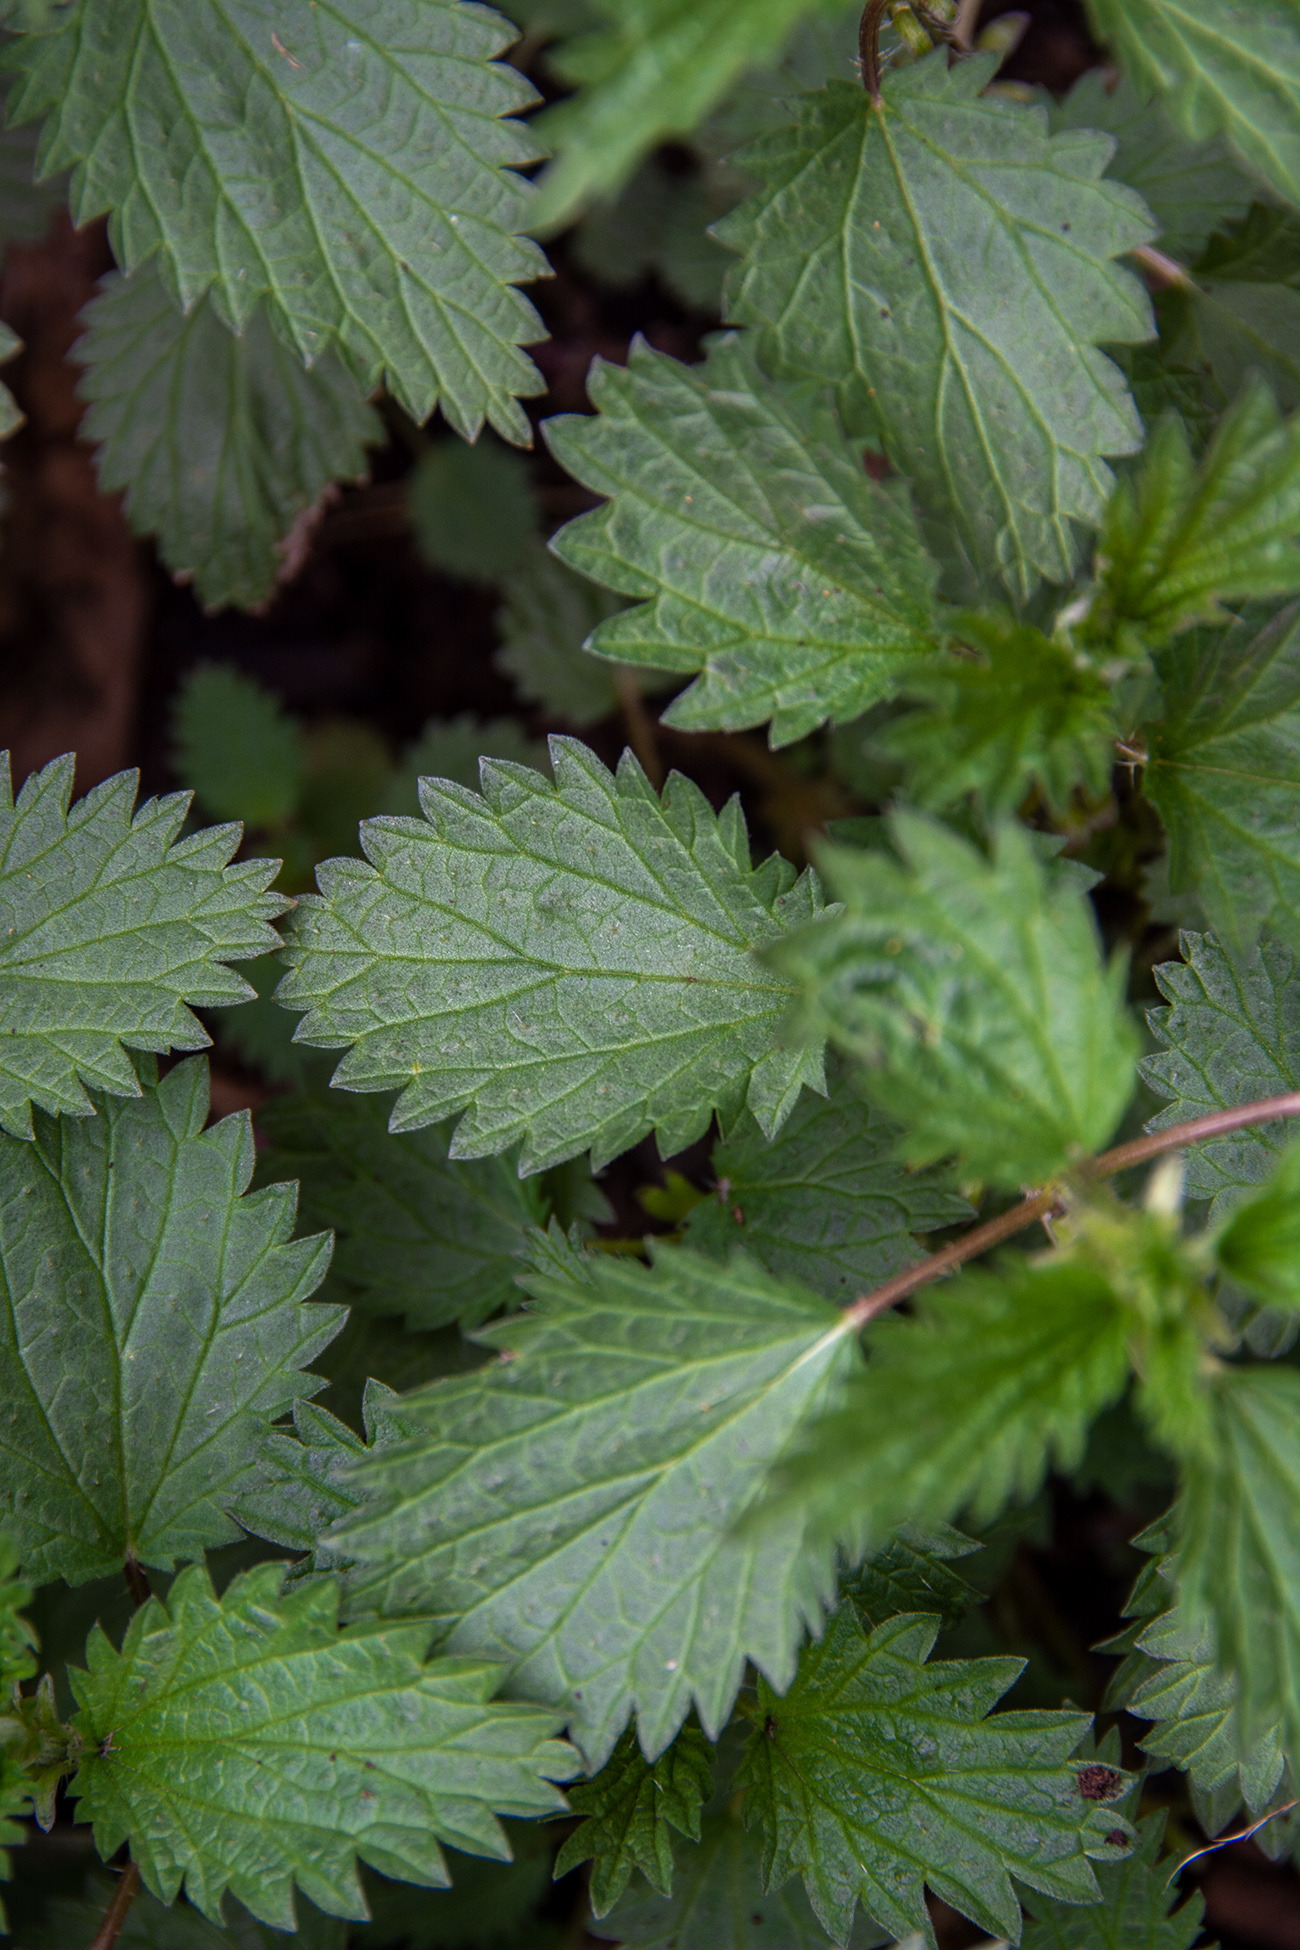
[
  {"x": 1039, "y": 1204},
  {"x": 118, "y": 1910}
]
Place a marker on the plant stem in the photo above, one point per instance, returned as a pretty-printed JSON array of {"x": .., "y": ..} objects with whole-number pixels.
[
  {"x": 869, "y": 47},
  {"x": 1162, "y": 272},
  {"x": 136, "y": 1582},
  {"x": 116, "y": 1913},
  {"x": 1038, "y": 1204}
]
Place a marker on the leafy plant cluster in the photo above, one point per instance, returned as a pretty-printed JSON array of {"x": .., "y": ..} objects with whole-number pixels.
[{"x": 986, "y": 502}]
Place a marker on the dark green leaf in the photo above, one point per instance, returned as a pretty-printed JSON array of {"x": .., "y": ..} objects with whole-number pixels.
[
  {"x": 108, "y": 930},
  {"x": 1137, "y": 1908},
  {"x": 1237, "y": 1560},
  {"x": 472, "y": 509},
  {"x": 357, "y": 173},
  {"x": 1224, "y": 773},
  {"x": 878, "y": 1775},
  {"x": 1010, "y": 710},
  {"x": 253, "y": 1746},
  {"x": 829, "y": 1202},
  {"x": 655, "y": 71},
  {"x": 140, "y": 1380},
  {"x": 222, "y": 443},
  {"x": 1259, "y": 1249},
  {"x": 1190, "y": 188},
  {"x": 573, "y": 963},
  {"x": 950, "y": 266},
  {"x": 1231, "y": 1036},
  {"x": 1223, "y": 67},
  {"x": 630, "y": 1810},
  {"x": 150, "y": 1925},
  {"x": 18, "y": 1640},
  {"x": 914, "y": 1573},
  {"x": 488, "y": 1904},
  {"x": 545, "y": 621},
  {"x": 1241, "y": 312},
  {"x": 974, "y": 993},
  {"x": 234, "y": 743},
  {"x": 769, "y": 559},
  {"x": 451, "y": 748},
  {"x": 573, "y": 1507},
  {"x": 417, "y": 1232}
]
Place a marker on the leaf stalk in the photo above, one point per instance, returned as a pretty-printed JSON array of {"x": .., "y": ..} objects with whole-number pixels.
[
  {"x": 118, "y": 1910},
  {"x": 1038, "y": 1205}
]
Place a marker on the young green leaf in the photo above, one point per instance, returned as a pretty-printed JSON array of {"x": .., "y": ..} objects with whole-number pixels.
[
  {"x": 965, "y": 1404},
  {"x": 949, "y": 265},
  {"x": 720, "y": 1898},
  {"x": 1010, "y": 710},
  {"x": 10, "y": 412},
  {"x": 1190, "y": 188},
  {"x": 1137, "y": 1908},
  {"x": 472, "y": 509},
  {"x": 573, "y": 963},
  {"x": 418, "y": 1233},
  {"x": 974, "y": 993},
  {"x": 235, "y": 744},
  {"x": 141, "y": 1382},
  {"x": 1222, "y": 68},
  {"x": 1237, "y": 1561},
  {"x": 829, "y": 1202},
  {"x": 221, "y": 442},
  {"x": 454, "y": 748},
  {"x": 914, "y": 1573},
  {"x": 1224, "y": 773},
  {"x": 245, "y": 1744},
  {"x": 358, "y": 174},
  {"x": 659, "y": 227},
  {"x": 107, "y": 930},
  {"x": 877, "y": 1775},
  {"x": 654, "y": 72},
  {"x": 1259, "y": 1249},
  {"x": 1187, "y": 538},
  {"x": 545, "y": 621},
  {"x": 630, "y": 1810},
  {"x": 573, "y": 1508},
  {"x": 1230, "y": 1036},
  {"x": 769, "y": 559}
]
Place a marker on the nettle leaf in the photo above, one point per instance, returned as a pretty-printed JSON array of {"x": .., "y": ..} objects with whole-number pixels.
[
  {"x": 720, "y": 1897},
  {"x": 1230, "y": 1036},
  {"x": 26, "y": 206},
  {"x": 472, "y": 509},
  {"x": 151, "y": 1925},
  {"x": 1185, "y": 539},
  {"x": 154, "y": 1329},
  {"x": 1009, "y": 711},
  {"x": 878, "y": 1775},
  {"x": 454, "y": 748},
  {"x": 355, "y": 169},
  {"x": 1137, "y": 1908},
  {"x": 914, "y": 1573},
  {"x": 949, "y": 264},
  {"x": 418, "y": 1233},
  {"x": 1170, "y": 1678},
  {"x": 1259, "y": 1248},
  {"x": 1190, "y": 188},
  {"x": 221, "y": 442},
  {"x": 653, "y": 73},
  {"x": 18, "y": 1639},
  {"x": 1224, "y": 773},
  {"x": 107, "y": 930},
  {"x": 572, "y": 963},
  {"x": 548, "y": 615},
  {"x": 830, "y": 1202},
  {"x": 974, "y": 993},
  {"x": 770, "y": 560},
  {"x": 1222, "y": 67},
  {"x": 254, "y": 1746},
  {"x": 10, "y": 412},
  {"x": 631, "y": 1809},
  {"x": 1237, "y": 1561},
  {"x": 303, "y": 1482},
  {"x": 572, "y": 1509},
  {"x": 965, "y": 1403},
  {"x": 237, "y": 746},
  {"x": 1241, "y": 314}
]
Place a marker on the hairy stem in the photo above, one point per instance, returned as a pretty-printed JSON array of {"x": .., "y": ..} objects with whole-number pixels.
[
  {"x": 1039, "y": 1204},
  {"x": 116, "y": 1913},
  {"x": 873, "y": 15}
]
